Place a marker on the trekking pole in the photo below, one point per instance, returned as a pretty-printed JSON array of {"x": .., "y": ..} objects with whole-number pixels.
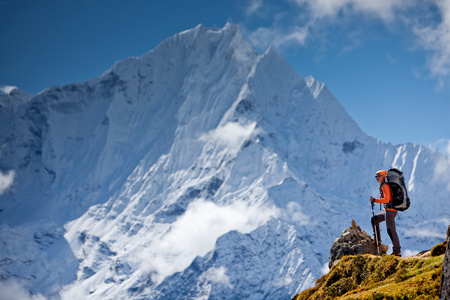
[{"x": 375, "y": 232}]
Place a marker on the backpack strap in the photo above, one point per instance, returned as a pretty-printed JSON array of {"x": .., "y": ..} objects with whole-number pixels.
[{"x": 381, "y": 188}]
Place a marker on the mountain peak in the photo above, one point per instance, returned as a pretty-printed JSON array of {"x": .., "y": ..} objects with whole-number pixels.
[
  {"x": 7, "y": 89},
  {"x": 201, "y": 42},
  {"x": 12, "y": 95},
  {"x": 183, "y": 165},
  {"x": 200, "y": 28}
]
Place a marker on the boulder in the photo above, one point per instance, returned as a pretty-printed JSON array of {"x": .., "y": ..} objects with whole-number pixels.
[
  {"x": 444, "y": 293},
  {"x": 354, "y": 241}
]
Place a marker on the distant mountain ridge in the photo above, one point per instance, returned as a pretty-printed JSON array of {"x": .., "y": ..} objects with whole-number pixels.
[{"x": 200, "y": 168}]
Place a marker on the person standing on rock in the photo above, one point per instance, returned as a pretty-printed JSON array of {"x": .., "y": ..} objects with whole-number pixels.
[{"x": 387, "y": 215}]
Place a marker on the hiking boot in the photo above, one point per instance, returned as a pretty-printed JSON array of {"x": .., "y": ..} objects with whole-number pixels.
[{"x": 396, "y": 254}]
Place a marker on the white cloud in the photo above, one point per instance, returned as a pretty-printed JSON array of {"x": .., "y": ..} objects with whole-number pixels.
[
  {"x": 12, "y": 290},
  {"x": 423, "y": 233},
  {"x": 435, "y": 37},
  {"x": 325, "y": 269},
  {"x": 278, "y": 36},
  {"x": 423, "y": 24},
  {"x": 231, "y": 134},
  {"x": 6, "y": 180},
  {"x": 293, "y": 25},
  {"x": 6, "y": 89},
  {"x": 195, "y": 233},
  {"x": 442, "y": 167},
  {"x": 254, "y": 6},
  {"x": 383, "y": 9},
  {"x": 409, "y": 252},
  {"x": 442, "y": 172},
  {"x": 294, "y": 212},
  {"x": 443, "y": 146},
  {"x": 217, "y": 275}
]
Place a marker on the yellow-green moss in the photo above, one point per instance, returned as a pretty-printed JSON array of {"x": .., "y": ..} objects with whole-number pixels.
[
  {"x": 373, "y": 277},
  {"x": 437, "y": 250}
]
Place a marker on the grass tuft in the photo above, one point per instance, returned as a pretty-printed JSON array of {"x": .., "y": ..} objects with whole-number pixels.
[{"x": 437, "y": 250}]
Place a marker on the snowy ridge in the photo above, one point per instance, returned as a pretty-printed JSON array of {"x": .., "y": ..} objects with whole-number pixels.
[{"x": 199, "y": 170}]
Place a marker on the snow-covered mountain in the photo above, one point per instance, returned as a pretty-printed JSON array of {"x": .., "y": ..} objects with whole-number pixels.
[{"x": 200, "y": 170}]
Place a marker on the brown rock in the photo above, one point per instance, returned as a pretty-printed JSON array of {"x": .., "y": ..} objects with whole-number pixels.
[
  {"x": 353, "y": 241},
  {"x": 444, "y": 293}
]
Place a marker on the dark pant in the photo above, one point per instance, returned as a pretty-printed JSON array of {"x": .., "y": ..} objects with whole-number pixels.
[{"x": 389, "y": 217}]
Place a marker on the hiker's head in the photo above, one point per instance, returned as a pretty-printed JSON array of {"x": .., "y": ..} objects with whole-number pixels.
[{"x": 380, "y": 176}]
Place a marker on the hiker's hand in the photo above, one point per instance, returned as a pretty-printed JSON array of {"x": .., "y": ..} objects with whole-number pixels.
[{"x": 372, "y": 199}]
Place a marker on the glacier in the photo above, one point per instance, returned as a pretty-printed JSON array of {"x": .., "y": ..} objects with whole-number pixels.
[{"x": 199, "y": 170}]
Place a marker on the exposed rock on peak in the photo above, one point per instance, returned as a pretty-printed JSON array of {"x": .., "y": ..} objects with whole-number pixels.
[{"x": 353, "y": 241}]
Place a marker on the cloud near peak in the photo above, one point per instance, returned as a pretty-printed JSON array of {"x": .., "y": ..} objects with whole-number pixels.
[
  {"x": 426, "y": 24},
  {"x": 7, "y": 89},
  {"x": 6, "y": 180}
]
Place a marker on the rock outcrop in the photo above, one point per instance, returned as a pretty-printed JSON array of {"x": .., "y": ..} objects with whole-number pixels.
[
  {"x": 444, "y": 293},
  {"x": 354, "y": 241}
]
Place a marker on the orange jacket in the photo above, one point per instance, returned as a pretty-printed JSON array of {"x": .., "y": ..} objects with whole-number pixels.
[{"x": 385, "y": 195}]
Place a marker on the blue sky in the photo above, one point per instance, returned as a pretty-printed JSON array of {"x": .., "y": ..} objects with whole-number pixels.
[{"x": 386, "y": 61}]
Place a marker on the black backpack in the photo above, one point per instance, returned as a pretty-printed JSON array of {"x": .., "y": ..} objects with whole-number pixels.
[{"x": 396, "y": 182}]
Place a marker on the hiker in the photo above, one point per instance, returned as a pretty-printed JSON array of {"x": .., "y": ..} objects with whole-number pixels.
[{"x": 387, "y": 215}]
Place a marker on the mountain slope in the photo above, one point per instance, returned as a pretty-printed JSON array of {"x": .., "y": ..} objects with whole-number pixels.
[{"x": 200, "y": 168}]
